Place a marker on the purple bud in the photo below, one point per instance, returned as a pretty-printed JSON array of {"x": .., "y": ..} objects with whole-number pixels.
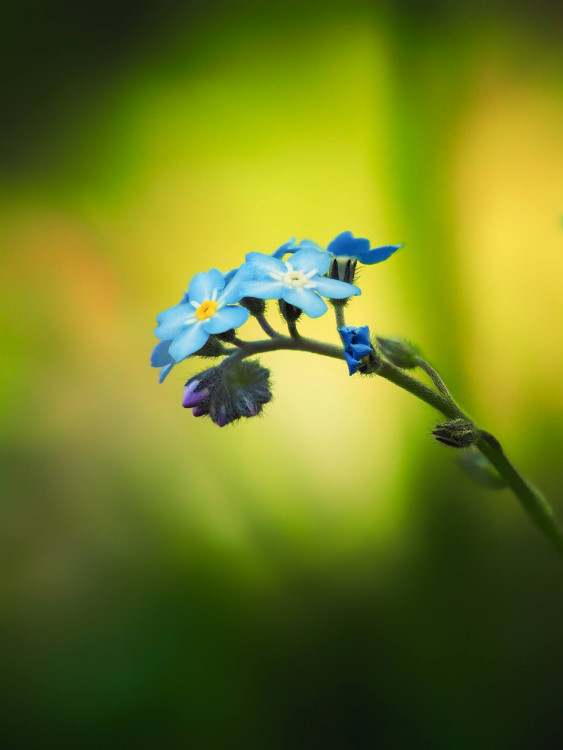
[
  {"x": 193, "y": 397},
  {"x": 200, "y": 411},
  {"x": 222, "y": 417}
]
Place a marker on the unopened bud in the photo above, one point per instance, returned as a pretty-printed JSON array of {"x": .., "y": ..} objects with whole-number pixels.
[
  {"x": 229, "y": 393},
  {"x": 289, "y": 312},
  {"x": 253, "y": 305},
  {"x": 400, "y": 352},
  {"x": 200, "y": 411},
  {"x": 193, "y": 396},
  {"x": 459, "y": 433},
  {"x": 212, "y": 348}
]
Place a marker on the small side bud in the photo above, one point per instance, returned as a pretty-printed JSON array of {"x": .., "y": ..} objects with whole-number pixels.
[
  {"x": 212, "y": 348},
  {"x": 228, "y": 336},
  {"x": 290, "y": 313},
  {"x": 399, "y": 352},
  {"x": 459, "y": 433},
  {"x": 193, "y": 395},
  {"x": 253, "y": 305}
]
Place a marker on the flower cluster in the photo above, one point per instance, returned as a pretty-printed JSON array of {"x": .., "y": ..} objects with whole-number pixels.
[{"x": 301, "y": 277}]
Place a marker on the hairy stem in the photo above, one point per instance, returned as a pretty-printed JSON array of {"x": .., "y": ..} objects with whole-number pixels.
[
  {"x": 266, "y": 327},
  {"x": 339, "y": 315},
  {"x": 535, "y": 505},
  {"x": 433, "y": 375}
]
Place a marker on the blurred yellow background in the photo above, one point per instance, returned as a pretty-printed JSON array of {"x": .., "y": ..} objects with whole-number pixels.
[{"x": 325, "y": 571}]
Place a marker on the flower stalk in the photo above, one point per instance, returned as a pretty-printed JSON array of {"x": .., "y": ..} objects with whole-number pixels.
[{"x": 216, "y": 305}]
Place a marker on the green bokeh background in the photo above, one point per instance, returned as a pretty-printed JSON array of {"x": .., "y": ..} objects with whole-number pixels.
[{"x": 325, "y": 576}]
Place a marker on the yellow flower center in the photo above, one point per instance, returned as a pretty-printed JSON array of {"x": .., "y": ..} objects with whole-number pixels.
[{"x": 206, "y": 309}]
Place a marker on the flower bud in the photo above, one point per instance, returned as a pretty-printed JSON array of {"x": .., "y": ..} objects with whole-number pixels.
[
  {"x": 400, "y": 352},
  {"x": 459, "y": 433},
  {"x": 254, "y": 305},
  {"x": 289, "y": 312},
  {"x": 193, "y": 396},
  {"x": 357, "y": 346},
  {"x": 229, "y": 393},
  {"x": 212, "y": 348}
]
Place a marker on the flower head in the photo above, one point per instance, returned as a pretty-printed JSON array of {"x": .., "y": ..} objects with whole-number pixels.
[
  {"x": 348, "y": 247},
  {"x": 299, "y": 282},
  {"x": 345, "y": 251},
  {"x": 228, "y": 393},
  {"x": 206, "y": 309},
  {"x": 357, "y": 345}
]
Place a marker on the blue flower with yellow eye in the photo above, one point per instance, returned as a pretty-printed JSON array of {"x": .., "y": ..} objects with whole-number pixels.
[
  {"x": 357, "y": 345},
  {"x": 300, "y": 281},
  {"x": 208, "y": 308}
]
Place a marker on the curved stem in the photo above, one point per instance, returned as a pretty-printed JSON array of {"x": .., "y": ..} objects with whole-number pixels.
[
  {"x": 266, "y": 327},
  {"x": 535, "y": 505},
  {"x": 433, "y": 375}
]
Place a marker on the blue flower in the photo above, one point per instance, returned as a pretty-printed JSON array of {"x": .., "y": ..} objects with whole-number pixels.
[
  {"x": 346, "y": 247},
  {"x": 299, "y": 282},
  {"x": 356, "y": 345},
  {"x": 206, "y": 309}
]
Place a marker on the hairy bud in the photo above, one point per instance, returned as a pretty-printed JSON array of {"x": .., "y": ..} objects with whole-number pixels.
[
  {"x": 459, "y": 433},
  {"x": 253, "y": 305},
  {"x": 228, "y": 393},
  {"x": 289, "y": 312},
  {"x": 400, "y": 352}
]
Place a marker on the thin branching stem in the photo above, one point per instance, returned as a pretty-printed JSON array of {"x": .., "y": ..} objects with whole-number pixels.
[{"x": 533, "y": 502}]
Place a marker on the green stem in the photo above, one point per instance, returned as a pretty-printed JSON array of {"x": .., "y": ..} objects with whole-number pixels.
[
  {"x": 266, "y": 327},
  {"x": 535, "y": 505},
  {"x": 433, "y": 375},
  {"x": 339, "y": 314}
]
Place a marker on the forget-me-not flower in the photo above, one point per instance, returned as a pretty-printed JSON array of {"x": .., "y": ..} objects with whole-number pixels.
[
  {"x": 207, "y": 309},
  {"x": 299, "y": 282},
  {"x": 344, "y": 247},
  {"x": 356, "y": 345}
]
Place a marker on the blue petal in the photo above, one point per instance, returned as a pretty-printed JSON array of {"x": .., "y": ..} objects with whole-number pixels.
[
  {"x": 378, "y": 254},
  {"x": 307, "y": 260},
  {"x": 188, "y": 341},
  {"x": 347, "y": 335},
  {"x": 307, "y": 300},
  {"x": 345, "y": 245},
  {"x": 164, "y": 372},
  {"x": 203, "y": 285},
  {"x": 362, "y": 335},
  {"x": 233, "y": 291},
  {"x": 171, "y": 321},
  {"x": 262, "y": 289},
  {"x": 231, "y": 316},
  {"x": 287, "y": 247},
  {"x": 334, "y": 288},
  {"x": 361, "y": 350},
  {"x": 160, "y": 355},
  {"x": 264, "y": 265},
  {"x": 230, "y": 275},
  {"x": 352, "y": 363}
]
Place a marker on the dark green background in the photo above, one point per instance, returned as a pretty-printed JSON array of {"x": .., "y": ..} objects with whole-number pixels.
[{"x": 325, "y": 576}]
